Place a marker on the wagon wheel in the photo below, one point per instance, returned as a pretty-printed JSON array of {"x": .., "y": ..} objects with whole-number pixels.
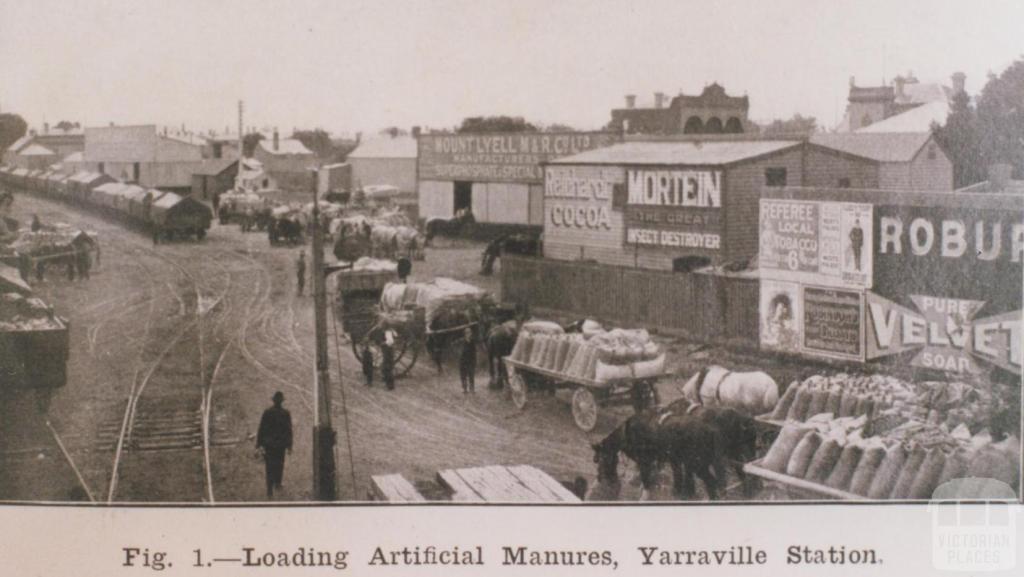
[
  {"x": 584, "y": 409},
  {"x": 407, "y": 350},
  {"x": 516, "y": 387}
]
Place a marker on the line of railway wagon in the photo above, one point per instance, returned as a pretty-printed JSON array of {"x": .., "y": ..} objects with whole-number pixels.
[{"x": 165, "y": 214}]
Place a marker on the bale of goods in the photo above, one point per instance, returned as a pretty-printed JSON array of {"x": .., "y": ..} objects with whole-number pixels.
[
  {"x": 753, "y": 393},
  {"x": 20, "y": 313},
  {"x": 888, "y": 472},
  {"x": 864, "y": 406},
  {"x": 651, "y": 368},
  {"x": 901, "y": 490},
  {"x": 542, "y": 327},
  {"x": 1000, "y": 461},
  {"x": 848, "y": 405},
  {"x": 824, "y": 460},
  {"x": 927, "y": 478},
  {"x": 842, "y": 474},
  {"x": 782, "y": 407},
  {"x": 798, "y": 412},
  {"x": 605, "y": 372},
  {"x": 834, "y": 401},
  {"x": 782, "y": 449},
  {"x": 955, "y": 467},
  {"x": 866, "y": 470},
  {"x": 816, "y": 406},
  {"x": 802, "y": 455}
]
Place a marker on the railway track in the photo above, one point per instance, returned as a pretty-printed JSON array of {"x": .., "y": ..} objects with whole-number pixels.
[{"x": 162, "y": 443}]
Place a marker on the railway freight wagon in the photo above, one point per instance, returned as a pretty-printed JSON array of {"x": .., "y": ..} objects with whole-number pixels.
[{"x": 174, "y": 216}]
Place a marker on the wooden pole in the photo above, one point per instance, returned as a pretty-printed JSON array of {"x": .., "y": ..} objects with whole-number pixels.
[{"x": 324, "y": 437}]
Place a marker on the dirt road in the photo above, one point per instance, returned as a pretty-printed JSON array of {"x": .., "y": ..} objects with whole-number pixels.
[{"x": 171, "y": 340}]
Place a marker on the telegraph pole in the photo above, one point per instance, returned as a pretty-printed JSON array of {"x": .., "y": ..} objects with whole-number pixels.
[{"x": 324, "y": 437}]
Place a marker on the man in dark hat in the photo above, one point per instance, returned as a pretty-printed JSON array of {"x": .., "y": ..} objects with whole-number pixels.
[
  {"x": 467, "y": 361},
  {"x": 274, "y": 439}
]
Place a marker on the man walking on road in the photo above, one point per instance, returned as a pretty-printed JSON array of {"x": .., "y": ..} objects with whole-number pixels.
[
  {"x": 273, "y": 439},
  {"x": 387, "y": 364},
  {"x": 300, "y": 271},
  {"x": 367, "y": 361}
]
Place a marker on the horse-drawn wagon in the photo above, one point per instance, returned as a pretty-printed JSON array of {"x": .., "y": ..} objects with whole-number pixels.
[{"x": 593, "y": 367}]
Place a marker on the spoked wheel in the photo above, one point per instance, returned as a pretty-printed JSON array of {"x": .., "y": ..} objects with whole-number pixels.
[
  {"x": 406, "y": 353},
  {"x": 584, "y": 409},
  {"x": 516, "y": 387}
]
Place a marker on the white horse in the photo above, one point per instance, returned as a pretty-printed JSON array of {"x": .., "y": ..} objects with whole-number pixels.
[{"x": 752, "y": 393}]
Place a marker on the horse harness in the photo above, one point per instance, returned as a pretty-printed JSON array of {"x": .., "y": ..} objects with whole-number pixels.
[{"x": 700, "y": 384}]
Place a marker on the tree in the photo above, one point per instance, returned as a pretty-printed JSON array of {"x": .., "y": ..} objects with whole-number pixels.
[
  {"x": 67, "y": 125},
  {"x": 796, "y": 126},
  {"x": 318, "y": 141},
  {"x": 12, "y": 127},
  {"x": 559, "y": 127},
  {"x": 1001, "y": 118},
  {"x": 249, "y": 142},
  {"x": 496, "y": 124},
  {"x": 959, "y": 138},
  {"x": 394, "y": 132}
]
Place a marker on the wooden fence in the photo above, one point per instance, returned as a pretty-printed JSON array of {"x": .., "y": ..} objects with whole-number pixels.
[{"x": 702, "y": 307}]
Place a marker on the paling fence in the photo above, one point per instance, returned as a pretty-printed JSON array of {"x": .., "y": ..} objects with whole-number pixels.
[{"x": 702, "y": 307}]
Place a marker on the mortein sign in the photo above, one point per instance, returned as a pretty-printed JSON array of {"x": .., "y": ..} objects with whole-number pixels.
[{"x": 674, "y": 208}]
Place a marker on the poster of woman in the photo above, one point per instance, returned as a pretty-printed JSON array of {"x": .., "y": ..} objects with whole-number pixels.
[{"x": 780, "y": 316}]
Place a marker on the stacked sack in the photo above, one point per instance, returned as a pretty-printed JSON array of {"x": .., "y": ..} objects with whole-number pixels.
[
  {"x": 909, "y": 462},
  {"x": 889, "y": 400},
  {"x": 594, "y": 355},
  {"x": 18, "y": 313}
]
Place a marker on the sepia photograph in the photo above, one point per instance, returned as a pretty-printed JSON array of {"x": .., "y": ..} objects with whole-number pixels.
[{"x": 564, "y": 253}]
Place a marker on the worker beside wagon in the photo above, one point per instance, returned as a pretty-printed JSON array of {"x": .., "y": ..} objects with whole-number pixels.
[
  {"x": 387, "y": 368},
  {"x": 467, "y": 362}
]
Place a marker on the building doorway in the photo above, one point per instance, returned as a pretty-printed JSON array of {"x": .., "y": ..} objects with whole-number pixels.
[{"x": 463, "y": 197}]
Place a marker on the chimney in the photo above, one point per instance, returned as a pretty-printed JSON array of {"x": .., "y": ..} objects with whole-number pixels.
[
  {"x": 959, "y": 78},
  {"x": 659, "y": 99},
  {"x": 631, "y": 101},
  {"x": 415, "y": 132},
  {"x": 277, "y": 141},
  {"x": 900, "y": 82},
  {"x": 999, "y": 176},
  {"x": 853, "y": 82},
  {"x": 46, "y": 128}
]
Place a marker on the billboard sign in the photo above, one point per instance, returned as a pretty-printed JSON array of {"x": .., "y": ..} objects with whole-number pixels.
[
  {"x": 945, "y": 333},
  {"x": 781, "y": 315},
  {"x": 674, "y": 208},
  {"x": 822, "y": 243},
  {"x": 500, "y": 157},
  {"x": 832, "y": 323}
]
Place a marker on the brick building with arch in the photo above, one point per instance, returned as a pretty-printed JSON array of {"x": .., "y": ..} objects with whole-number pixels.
[{"x": 711, "y": 112}]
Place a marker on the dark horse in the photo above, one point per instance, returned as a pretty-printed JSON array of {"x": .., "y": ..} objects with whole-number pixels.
[
  {"x": 447, "y": 227},
  {"x": 696, "y": 440},
  {"x": 522, "y": 243},
  {"x": 502, "y": 328},
  {"x": 448, "y": 324}
]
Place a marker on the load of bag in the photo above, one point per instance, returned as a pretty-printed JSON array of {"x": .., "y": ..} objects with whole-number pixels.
[
  {"x": 21, "y": 313},
  {"x": 907, "y": 462},
  {"x": 594, "y": 354},
  {"x": 890, "y": 401}
]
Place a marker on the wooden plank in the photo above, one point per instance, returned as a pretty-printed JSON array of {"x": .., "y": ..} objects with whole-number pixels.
[
  {"x": 516, "y": 490},
  {"x": 461, "y": 491},
  {"x": 540, "y": 482},
  {"x": 800, "y": 484},
  {"x": 395, "y": 489},
  {"x": 480, "y": 485}
]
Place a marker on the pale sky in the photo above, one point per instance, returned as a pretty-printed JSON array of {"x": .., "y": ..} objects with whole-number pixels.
[{"x": 362, "y": 65}]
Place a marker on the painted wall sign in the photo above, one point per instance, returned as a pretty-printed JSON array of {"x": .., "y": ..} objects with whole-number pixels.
[
  {"x": 832, "y": 323},
  {"x": 500, "y": 157},
  {"x": 781, "y": 315},
  {"x": 958, "y": 252},
  {"x": 579, "y": 197},
  {"x": 824, "y": 243},
  {"x": 944, "y": 332},
  {"x": 674, "y": 209}
]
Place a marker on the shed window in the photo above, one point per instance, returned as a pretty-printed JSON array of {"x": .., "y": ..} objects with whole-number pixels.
[
  {"x": 844, "y": 183},
  {"x": 931, "y": 152},
  {"x": 775, "y": 177}
]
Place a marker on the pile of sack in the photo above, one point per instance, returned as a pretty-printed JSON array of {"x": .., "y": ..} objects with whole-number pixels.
[
  {"x": 20, "y": 313},
  {"x": 909, "y": 462},
  {"x": 433, "y": 297},
  {"x": 374, "y": 264},
  {"x": 593, "y": 354},
  {"x": 890, "y": 401},
  {"x": 48, "y": 241}
]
